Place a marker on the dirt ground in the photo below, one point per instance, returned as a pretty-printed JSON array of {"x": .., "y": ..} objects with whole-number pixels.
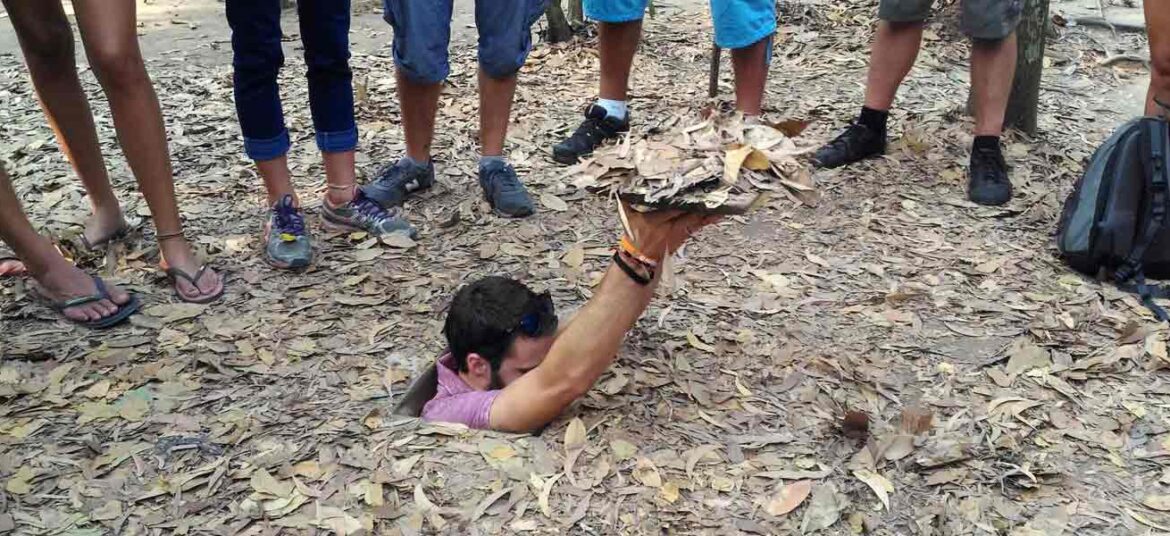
[{"x": 739, "y": 393}]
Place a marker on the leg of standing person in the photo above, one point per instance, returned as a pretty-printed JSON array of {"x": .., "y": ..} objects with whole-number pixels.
[
  {"x": 47, "y": 42},
  {"x": 422, "y": 32},
  {"x": 256, "y": 61},
  {"x": 505, "y": 39},
  {"x": 991, "y": 24},
  {"x": 109, "y": 31},
  {"x": 619, "y": 30},
  {"x": 57, "y": 279},
  {"x": 1158, "y": 26},
  {"x": 325, "y": 34},
  {"x": 895, "y": 47},
  {"x": 746, "y": 28}
]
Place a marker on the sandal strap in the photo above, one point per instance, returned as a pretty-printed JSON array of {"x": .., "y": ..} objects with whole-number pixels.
[
  {"x": 102, "y": 294},
  {"x": 194, "y": 280}
]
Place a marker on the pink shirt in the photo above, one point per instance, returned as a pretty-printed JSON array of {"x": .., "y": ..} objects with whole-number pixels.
[{"x": 457, "y": 402}]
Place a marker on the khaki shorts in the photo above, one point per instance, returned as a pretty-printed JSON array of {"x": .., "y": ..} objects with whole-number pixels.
[{"x": 982, "y": 19}]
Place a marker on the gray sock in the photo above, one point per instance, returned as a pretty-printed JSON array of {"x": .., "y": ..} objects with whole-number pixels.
[
  {"x": 412, "y": 162},
  {"x": 485, "y": 160}
]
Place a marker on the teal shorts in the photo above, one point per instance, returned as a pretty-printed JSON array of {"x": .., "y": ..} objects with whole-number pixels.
[
  {"x": 738, "y": 23},
  {"x": 982, "y": 19}
]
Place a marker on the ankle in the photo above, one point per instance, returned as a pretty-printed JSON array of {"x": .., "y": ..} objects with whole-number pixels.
[
  {"x": 874, "y": 119},
  {"x": 986, "y": 143},
  {"x": 486, "y": 160},
  {"x": 337, "y": 196},
  {"x": 617, "y": 109}
]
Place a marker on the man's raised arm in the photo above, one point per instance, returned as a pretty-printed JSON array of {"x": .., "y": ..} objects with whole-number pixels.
[{"x": 590, "y": 343}]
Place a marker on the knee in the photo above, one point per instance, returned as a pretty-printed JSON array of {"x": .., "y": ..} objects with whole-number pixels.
[
  {"x": 49, "y": 43},
  {"x": 501, "y": 62},
  {"x": 259, "y": 61},
  {"x": 118, "y": 67},
  {"x": 329, "y": 67}
]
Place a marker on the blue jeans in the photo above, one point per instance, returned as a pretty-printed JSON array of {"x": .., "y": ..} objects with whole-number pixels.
[
  {"x": 257, "y": 58},
  {"x": 422, "y": 32}
]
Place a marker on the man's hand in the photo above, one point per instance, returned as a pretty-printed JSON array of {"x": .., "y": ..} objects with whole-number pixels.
[{"x": 660, "y": 233}]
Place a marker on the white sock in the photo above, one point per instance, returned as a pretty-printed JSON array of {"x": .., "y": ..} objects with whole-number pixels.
[{"x": 614, "y": 108}]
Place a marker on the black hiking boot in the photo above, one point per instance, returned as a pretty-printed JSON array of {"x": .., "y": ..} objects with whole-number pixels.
[
  {"x": 594, "y": 130},
  {"x": 989, "y": 184},
  {"x": 858, "y": 142}
]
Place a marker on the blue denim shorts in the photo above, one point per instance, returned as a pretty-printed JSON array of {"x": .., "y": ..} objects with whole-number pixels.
[
  {"x": 738, "y": 23},
  {"x": 422, "y": 33}
]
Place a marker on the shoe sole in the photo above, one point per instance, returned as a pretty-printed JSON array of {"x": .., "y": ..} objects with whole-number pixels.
[{"x": 568, "y": 159}]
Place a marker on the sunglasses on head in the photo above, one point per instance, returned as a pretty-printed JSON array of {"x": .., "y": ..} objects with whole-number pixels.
[{"x": 542, "y": 321}]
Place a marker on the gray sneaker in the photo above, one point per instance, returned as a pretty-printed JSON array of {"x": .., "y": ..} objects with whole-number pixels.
[
  {"x": 398, "y": 181},
  {"x": 504, "y": 191},
  {"x": 286, "y": 243},
  {"x": 363, "y": 214}
]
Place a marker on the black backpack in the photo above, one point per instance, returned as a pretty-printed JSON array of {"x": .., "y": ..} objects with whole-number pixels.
[{"x": 1114, "y": 222}]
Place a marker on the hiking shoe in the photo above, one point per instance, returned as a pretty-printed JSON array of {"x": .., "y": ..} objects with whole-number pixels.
[
  {"x": 364, "y": 214},
  {"x": 594, "y": 130},
  {"x": 989, "y": 184},
  {"x": 398, "y": 181},
  {"x": 858, "y": 142},
  {"x": 286, "y": 243},
  {"x": 503, "y": 190}
]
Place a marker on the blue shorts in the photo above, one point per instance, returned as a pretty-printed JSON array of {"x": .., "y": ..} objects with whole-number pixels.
[
  {"x": 422, "y": 32},
  {"x": 738, "y": 23}
]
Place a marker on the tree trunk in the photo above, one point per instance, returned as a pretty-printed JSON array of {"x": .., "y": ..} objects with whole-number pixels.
[
  {"x": 1022, "y": 109},
  {"x": 576, "y": 13},
  {"x": 559, "y": 30}
]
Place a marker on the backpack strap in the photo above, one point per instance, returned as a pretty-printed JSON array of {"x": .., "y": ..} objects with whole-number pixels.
[{"x": 1158, "y": 190}]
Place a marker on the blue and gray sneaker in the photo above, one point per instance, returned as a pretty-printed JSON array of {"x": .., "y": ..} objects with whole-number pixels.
[
  {"x": 364, "y": 214},
  {"x": 503, "y": 190},
  {"x": 398, "y": 181},
  {"x": 286, "y": 243}
]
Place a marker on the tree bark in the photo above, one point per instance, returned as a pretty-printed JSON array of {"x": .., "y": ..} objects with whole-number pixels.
[
  {"x": 559, "y": 30},
  {"x": 1023, "y": 107}
]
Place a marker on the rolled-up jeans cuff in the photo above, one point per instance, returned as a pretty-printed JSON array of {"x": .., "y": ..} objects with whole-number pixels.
[
  {"x": 267, "y": 149},
  {"x": 339, "y": 141}
]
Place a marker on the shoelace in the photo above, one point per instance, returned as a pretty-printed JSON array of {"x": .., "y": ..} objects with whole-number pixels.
[
  {"x": 372, "y": 211},
  {"x": 592, "y": 129},
  {"x": 996, "y": 159},
  {"x": 846, "y": 138},
  {"x": 508, "y": 183},
  {"x": 289, "y": 220}
]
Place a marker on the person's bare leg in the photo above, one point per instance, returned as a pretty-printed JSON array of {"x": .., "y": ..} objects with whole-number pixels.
[
  {"x": 1158, "y": 25},
  {"x": 341, "y": 177},
  {"x": 617, "y": 42},
  {"x": 495, "y": 107},
  {"x": 993, "y": 66},
  {"x": 751, "y": 74},
  {"x": 418, "y": 104},
  {"x": 109, "y": 32},
  {"x": 895, "y": 47},
  {"x": 277, "y": 180},
  {"x": 56, "y": 277},
  {"x": 47, "y": 42}
]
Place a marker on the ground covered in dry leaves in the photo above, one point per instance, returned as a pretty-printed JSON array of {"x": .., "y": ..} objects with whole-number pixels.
[{"x": 894, "y": 360}]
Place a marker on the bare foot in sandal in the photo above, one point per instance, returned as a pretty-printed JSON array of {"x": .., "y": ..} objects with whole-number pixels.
[
  {"x": 67, "y": 282},
  {"x": 195, "y": 282},
  {"x": 102, "y": 227}
]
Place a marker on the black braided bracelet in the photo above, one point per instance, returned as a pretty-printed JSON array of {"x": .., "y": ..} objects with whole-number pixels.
[{"x": 630, "y": 271}]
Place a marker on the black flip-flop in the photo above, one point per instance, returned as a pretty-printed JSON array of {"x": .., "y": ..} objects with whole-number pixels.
[
  {"x": 173, "y": 274},
  {"x": 124, "y": 310}
]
